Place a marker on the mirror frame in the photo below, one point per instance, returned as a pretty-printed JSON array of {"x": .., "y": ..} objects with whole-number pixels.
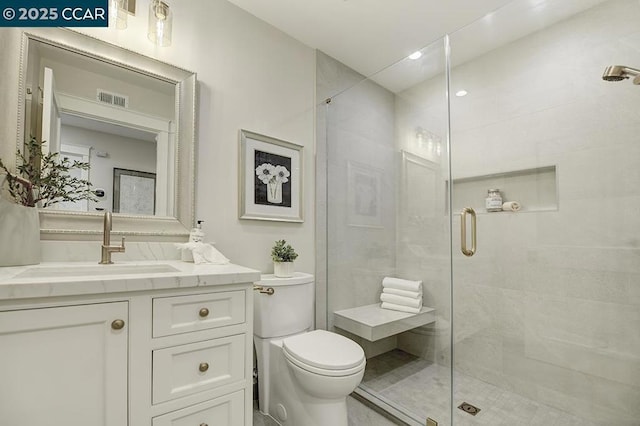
[{"x": 65, "y": 225}]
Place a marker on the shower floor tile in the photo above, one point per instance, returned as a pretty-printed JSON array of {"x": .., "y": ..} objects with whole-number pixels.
[{"x": 422, "y": 388}]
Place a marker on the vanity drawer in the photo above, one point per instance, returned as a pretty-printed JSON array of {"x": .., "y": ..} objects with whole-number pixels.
[
  {"x": 182, "y": 314},
  {"x": 187, "y": 369},
  {"x": 227, "y": 410}
]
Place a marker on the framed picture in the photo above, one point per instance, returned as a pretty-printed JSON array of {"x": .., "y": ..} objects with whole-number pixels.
[
  {"x": 134, "y": 192},
  {"x": 270, "y": 178},
  {"x": 364, "y": 190}
]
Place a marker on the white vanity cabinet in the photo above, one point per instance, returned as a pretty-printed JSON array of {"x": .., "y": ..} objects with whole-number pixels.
[
  {"x": 168, "y": 349},
  {"x": 64, "y": 365}
]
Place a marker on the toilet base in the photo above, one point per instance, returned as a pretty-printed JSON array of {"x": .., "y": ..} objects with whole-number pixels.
[
  {"x": 292, "y": 406},
  {"x": 311, "y": 414}
]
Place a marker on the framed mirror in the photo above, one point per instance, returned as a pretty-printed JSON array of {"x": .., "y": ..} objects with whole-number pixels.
[{"x": 116, "y": 109}]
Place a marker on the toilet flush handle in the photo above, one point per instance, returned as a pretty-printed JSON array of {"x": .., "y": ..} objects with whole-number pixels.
[{"x": 264, "y": 290}]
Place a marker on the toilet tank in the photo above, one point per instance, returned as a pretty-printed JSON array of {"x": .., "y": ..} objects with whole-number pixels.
[{"x": 289, "y": 310}]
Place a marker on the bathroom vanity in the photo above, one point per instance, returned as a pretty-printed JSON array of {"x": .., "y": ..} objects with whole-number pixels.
[{"x": 136, "y": 343}]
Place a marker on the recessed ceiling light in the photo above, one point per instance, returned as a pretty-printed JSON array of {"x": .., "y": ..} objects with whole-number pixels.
[
  {"x": 461, "y": 93},
  {"x": 415, "y": 55}
]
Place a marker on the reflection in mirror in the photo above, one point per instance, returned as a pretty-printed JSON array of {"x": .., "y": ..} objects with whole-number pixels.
[
  {"x": 108, "y": 116},
  {"x": 108, "y": 147},
  {"x": 117, "y": 110}
]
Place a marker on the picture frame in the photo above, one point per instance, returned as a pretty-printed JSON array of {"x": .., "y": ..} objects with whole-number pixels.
[
  {"x": 134, "y": 192},
  {"x": 364, "y": 195},
  {"x": 271, "y": 176}
]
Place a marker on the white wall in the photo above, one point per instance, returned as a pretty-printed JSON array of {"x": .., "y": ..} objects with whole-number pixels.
[{"x": 251, "y": 76}]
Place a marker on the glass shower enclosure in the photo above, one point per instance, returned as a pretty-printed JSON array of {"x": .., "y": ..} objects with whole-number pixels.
[{"x": 540, "y": 325}]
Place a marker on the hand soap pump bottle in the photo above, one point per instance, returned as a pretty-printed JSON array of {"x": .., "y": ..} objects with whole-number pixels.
[{"x": 197, "y": 235}]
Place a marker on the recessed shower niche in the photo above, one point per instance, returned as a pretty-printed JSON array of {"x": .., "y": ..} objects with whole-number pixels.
[{"x": 536, "y": 189}]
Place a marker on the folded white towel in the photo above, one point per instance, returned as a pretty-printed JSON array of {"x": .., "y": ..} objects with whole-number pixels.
[
  {"x": 511, "y": 206},
  {"x": 401, "y": 284},
  {"x": 405, "y": 293},
  {"x": 401, "y": 300},
  {"x": 400, "y": 308},
  {"x": 204, "y": 253}
]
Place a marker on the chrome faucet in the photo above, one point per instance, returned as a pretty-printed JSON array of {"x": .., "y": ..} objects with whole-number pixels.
[{"x": 107, "y": 248}]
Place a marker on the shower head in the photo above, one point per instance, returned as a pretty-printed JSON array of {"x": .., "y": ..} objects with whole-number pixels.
[{"x": 620, "y": 72}]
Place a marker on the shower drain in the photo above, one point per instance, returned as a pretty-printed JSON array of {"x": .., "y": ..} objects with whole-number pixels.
[{"x": 468, "y": 408}]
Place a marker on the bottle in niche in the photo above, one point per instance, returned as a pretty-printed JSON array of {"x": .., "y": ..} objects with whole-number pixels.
[{"x": 493, "y": 202}]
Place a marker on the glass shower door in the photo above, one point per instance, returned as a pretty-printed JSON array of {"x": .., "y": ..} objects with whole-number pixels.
[
  {"x": 387, "y": 169},
  {"x": 546, "y": 312},
  {"x": 540, "y": 325}
]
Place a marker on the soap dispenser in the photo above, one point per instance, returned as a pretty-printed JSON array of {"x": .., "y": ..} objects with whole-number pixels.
[{"x": 197, "y": 235}]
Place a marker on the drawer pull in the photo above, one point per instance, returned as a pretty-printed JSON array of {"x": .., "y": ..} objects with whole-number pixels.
[
  {"x": 204, "y": 312},
  {"x": 203, "y": 424},
  {"x": 117, "y": 324},
  {"x": 204, "y": 366}
]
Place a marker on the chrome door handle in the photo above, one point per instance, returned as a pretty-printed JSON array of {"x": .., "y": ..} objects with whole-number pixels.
[{"x": 463, "y": 232}]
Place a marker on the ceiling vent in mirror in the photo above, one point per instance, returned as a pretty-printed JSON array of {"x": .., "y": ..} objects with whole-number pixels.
[{"x": 114, "y": 99}]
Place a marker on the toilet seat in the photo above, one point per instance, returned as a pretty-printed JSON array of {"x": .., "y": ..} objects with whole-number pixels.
[{"x": 325, "y": 353}]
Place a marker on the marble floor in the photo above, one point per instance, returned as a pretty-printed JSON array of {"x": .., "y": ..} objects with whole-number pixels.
[{"x": 423, "y": 388}]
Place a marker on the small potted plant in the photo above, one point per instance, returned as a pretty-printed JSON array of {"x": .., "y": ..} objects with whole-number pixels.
[{"x": 283, "y": 256}]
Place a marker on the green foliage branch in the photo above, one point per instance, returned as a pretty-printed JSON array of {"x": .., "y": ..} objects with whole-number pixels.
[{"x": 45, "y": 179}]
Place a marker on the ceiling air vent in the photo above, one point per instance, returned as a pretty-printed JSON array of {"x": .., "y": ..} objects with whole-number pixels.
[{"x": 114, "y": 99}]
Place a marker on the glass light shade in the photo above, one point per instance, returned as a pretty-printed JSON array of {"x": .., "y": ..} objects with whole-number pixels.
[
  {"x": 160, "y": 22},
  {"x": 118, "y": 14}
]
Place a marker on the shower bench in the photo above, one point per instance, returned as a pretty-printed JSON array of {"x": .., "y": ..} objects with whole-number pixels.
[{"x": 372, "y": 323}]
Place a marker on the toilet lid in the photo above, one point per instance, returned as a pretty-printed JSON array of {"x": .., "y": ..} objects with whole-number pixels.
[{"x": 323, "y": 349}]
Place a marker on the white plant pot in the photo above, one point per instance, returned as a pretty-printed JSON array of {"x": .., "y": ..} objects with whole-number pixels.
[
  {"x": 19, "y": 234},
  {"x": 283, "y": 269}
]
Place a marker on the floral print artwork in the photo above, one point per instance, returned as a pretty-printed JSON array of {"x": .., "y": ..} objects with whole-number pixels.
[{"x": 272, "y": 179}]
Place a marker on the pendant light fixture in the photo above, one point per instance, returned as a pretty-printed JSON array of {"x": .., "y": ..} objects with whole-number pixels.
[
  {"x": 160, "y": 21},
  {"x": 118, "y": 13}
]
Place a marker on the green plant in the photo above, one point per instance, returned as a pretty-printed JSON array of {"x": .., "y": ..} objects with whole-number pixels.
[
  {"x": 283, "y": 252},
  {"x": 44, "y": 179}
]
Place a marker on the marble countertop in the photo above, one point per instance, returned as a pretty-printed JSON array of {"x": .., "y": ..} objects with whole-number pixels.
[{"x": 50, "y": 279}]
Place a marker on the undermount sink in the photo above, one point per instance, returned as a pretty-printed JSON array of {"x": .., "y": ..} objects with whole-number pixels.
[{"x": 97, "y": 270}]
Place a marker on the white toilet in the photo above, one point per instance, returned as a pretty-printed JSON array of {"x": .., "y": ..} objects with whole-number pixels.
[{"x": 304, "y": 376}]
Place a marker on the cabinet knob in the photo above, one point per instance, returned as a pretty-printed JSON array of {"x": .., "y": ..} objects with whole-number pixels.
[
  {"x": 117, "y": 324},
  {"x": 204, "y": 312},
  {"x": 204, "y": 366}
]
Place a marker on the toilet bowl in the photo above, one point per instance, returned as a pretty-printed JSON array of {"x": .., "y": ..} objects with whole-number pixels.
[
  {"x": 324, "y": 364},
  {"x": 303, "y": 377}
]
